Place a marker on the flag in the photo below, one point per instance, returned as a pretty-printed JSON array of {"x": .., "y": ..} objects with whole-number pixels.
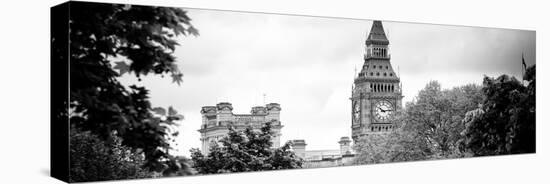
[{"x": 523, "y": 62}]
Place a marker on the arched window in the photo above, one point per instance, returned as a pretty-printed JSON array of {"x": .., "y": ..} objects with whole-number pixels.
[
  {"x": 377, "y": 73},
  {"x": 384, "y": 74}
]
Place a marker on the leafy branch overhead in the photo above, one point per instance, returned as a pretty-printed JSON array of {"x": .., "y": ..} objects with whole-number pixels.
[
  {"x": 145, "y": 35},
  {"x": 145, "y": 38}
]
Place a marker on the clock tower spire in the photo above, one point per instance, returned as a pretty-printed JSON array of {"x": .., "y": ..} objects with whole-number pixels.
[{"x": 377, "y": 93}]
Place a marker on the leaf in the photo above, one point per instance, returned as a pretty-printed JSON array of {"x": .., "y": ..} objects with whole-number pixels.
[
  {"x": 172, "y": 111},
  {"x": 177, "y": 78},
  {"x": 177, "y": 117},
  {"x": 193, "y": 31},
  {"x": 159, "y": 110},
  {"x": 122, "y": 67}
]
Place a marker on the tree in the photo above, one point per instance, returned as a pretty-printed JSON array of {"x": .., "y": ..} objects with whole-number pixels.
[
  {"x": 396, "y": 146},
  {"x": 142, "y": 39},
  {"x": 505, "y": 123},
  {"x": 373, "y": 149},
  {"x": 436, "y": 116},
  {"x": 247, "y": 150},
  {"x": 92, "y": 159}
]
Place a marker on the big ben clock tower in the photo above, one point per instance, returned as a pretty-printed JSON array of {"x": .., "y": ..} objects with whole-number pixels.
[{"x": 376, "y": 93}]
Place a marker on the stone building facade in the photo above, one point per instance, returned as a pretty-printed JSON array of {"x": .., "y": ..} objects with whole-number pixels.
[
  {"x": 216, "y": 119},
  {"x": 376, "y": 91}
]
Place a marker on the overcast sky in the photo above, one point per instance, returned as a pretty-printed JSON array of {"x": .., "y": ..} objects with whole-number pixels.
[{"x": 307, "y": 64}]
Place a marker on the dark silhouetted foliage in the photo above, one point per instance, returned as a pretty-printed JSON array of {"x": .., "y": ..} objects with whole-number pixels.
[
  {"x": 107, "y": 41},
  {"x": 505, "y": 123},
  {"x": 92, "y": 159}
]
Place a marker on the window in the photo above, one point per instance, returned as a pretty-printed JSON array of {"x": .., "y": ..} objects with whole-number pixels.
[
  {"x": 384, "y": 74},
  {"x": 391, "y": 74},
  {"x": 371, "y": 74},
  {"x": 377, "y": 73},
  {"x": 380, "y": 66},
  {"x": 387, "y": 67}
]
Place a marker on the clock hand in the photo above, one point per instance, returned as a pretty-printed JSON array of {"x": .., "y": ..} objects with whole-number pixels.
[{"x": 388, "y": 110}]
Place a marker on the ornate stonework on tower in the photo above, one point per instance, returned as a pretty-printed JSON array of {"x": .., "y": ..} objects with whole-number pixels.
[
  {"x": 376, "y": 92},
  {"x": 216, "y": 119}
]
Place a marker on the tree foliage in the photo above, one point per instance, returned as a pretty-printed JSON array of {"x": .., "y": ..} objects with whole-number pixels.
[
  {"x": 396, "y": 146},
  {"x": 429, "y": 127},
  {"x": 92, "y": 159},
  {"x": 505, "y": 123},
  {"x": 242, "y": 151},
  {"x": 494, "y": 119},
  {"x": 436, "y": 116},
  {"x": 142, "y": 38}
]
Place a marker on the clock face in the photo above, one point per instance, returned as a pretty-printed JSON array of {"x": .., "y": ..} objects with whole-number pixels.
[
  {"x": 383, "y": 110},
  {"x": 356, "y": 112}
]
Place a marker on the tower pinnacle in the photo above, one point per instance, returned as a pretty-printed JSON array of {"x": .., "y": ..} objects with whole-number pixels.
[{"x": 377, "y": 35}]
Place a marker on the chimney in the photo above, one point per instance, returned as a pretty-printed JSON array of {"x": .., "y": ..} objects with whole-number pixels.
[{"x": 345, "y": 148}]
